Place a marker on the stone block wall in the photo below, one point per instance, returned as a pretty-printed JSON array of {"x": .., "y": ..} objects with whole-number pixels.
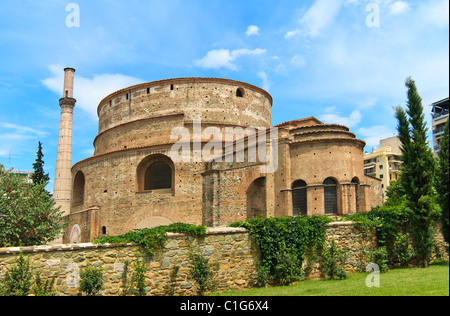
[{"x": 231, "y": 252}]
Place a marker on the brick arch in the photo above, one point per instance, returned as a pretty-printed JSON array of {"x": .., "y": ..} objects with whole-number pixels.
[
  {"x": 144, "y": 165},
  {"x": 78, "y": 189},
  {"x": 249, "y": 177}
]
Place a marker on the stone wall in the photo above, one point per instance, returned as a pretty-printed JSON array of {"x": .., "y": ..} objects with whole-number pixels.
[{"x": 230, "y": 250}]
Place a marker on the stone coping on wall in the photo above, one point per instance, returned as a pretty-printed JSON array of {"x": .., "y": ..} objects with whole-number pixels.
[{"x": 72, "y": 247}]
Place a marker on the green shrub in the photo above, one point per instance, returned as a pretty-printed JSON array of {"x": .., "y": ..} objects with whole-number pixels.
[
  {"x": 41, "y": 288},
  {"x": 173, "y": 280},
  {"x": 403, "y": 250},
  {"x": 139, "y": 277},
  {"x": 91, "y": 280},
  {"x": 288, "y": 268},
  {"x": 201, "y": 272},
  {"x": 262, "y": 274},
  {"x": 17, "y": 281},
  {"x": 135, "y": 285},
  {"x": 379, "y": 257},
  {"x": 333, "y": 261}
]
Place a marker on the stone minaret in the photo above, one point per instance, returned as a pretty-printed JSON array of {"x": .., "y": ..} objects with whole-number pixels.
[{"x": 63, "y": 175}]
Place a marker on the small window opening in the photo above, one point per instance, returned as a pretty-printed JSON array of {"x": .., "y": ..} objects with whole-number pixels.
[
  {"x": 299, "y": 198},
  {"x": 240, "y": 93},
  {"x": 104, "y": 230},
  {"x": 171, "y": 87},
  {"x": 158, "y": 176},
  {"x": 330, "y": 196}
]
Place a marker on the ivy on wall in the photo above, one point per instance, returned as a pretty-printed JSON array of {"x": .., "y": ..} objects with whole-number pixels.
[
  {"x": 152, "y": 239},
  {"x": 284, "y": 244}
]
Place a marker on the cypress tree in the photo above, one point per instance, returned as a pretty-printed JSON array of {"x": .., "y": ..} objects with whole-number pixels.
[
  {"x": 418, "y": 172},
  {"x": 39, "y": 177},
  {"x": 443, "y": 181}
]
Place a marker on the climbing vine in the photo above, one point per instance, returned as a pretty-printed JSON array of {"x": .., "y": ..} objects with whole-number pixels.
[
  {"x": 152, "y": 239},
  {"x": 284, "y": 244}
]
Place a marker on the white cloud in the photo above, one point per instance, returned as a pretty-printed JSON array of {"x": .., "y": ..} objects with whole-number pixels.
[
  {"x": 224, "y": 58},
  {"x": 291, "y": 34},
  {"x": 317, "y": 18},
  {"x": 367, "y": 102},
  {"x": 88, "y": 152},
  {"x": 351, "y": 121},
  {"x": 89, "y": 91},
  {"x": 15, "y": 138},
  {"x": 435, "y": 12},
  {"x": 330, "y": 109},
  {"x": 298, "y": 61},
  {"x": 252, "y": 30},
  {"x": 265, "y": 79},
  {"x": 399, "y": 7},
  {"x": 24, "y": 131},
  {"x": 4, "y": 152},
  {"x": 372, "y": 135}
]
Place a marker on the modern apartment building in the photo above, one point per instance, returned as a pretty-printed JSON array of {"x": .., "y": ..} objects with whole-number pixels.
[
  {"x": 384, "y": 163},
  {"x": 440, "y": 116}
]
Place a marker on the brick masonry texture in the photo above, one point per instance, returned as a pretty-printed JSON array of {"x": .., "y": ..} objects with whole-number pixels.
[{"x": 135, "y": 128}]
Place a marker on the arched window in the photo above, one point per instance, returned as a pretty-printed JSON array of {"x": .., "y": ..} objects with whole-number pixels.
[
  {"x": 256, "y": 199},
  {"x": 299, "y": 199},
  {"x": 330, "y": 196},
  {"x": 78, "y": 189},
  {"x": 158, "y": 176},
  {"x": 240, "y": 93},
  {"x": 155, "y": 172}
]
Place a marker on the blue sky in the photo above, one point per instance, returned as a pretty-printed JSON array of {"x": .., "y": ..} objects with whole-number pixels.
[{"x": 327, "y": 58}]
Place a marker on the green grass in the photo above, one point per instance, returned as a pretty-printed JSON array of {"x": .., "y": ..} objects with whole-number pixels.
[{"x": 433, "y": 281}]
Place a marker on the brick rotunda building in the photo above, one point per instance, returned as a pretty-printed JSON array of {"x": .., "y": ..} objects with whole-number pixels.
[{"x": 299, "y": 168}]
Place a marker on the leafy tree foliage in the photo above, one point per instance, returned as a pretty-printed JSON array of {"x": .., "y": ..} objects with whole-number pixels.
[
  {"x": 28, "y": 214},
  {"x": 443, "y": 181},
  {"x": 39, "y": 177},
  {"x": 418, "y": 171}
]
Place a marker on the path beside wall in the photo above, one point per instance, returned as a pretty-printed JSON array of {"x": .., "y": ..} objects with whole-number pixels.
[{"x": 230, "y": 250}]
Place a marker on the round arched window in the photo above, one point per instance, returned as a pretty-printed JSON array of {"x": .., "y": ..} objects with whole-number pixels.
[
  {"x": 330, "y": 196},
  {"x": 299, "y": 198},
  {"x": 158, "y": 176},
  {"x": 79, "y": 184}
]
